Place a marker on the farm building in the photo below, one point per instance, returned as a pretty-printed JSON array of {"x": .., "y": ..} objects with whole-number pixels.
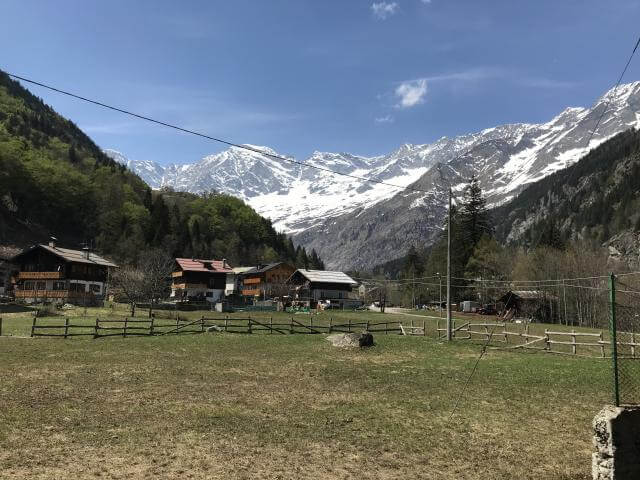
[
  {"x": 266, "y": 281},
  {"x": 62, "y": 275},
  {"x": 333, "y": 288},
  {"x": 531, "y": 304},
  {"x": 197, "y": 279}
]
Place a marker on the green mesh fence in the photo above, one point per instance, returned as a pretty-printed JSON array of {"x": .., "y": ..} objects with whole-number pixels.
[{"x": 625, "y": 342}]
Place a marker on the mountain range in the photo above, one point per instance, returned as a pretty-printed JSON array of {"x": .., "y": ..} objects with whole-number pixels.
[{"x": 357, "y": 225}]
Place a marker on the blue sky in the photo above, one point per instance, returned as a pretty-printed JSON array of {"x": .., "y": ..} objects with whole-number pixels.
[{"x": 333, "y": 75}]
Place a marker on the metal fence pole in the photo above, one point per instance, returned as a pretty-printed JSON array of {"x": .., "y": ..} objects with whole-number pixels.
[{"x": 614, "y": 341}]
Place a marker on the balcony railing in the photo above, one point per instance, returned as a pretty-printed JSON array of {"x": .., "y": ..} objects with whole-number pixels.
[
  {"x": 50, "y": 294},
  {"x": 40, "y": 275},
  {"x": 251, "y": 292}
]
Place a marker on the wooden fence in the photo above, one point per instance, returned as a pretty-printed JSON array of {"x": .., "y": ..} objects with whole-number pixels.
[
  {"x": 127, "y": 327},
  {"x": 519, "y": 337}
]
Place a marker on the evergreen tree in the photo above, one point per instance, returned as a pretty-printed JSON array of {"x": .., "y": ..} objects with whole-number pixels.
[{"x": 474, "y": 217}]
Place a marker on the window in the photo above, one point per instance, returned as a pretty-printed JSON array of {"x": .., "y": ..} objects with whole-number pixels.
[
  {"x": 95, "y": 288},
  {"x": 76, "y": 287},
  {"x": 41, "y": 285},
  {"x": 27, "y": 286},
  {"x": 59, "y": 285}
]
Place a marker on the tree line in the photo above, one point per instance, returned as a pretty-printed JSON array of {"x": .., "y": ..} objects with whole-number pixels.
[{"x": 54, "y": 180}]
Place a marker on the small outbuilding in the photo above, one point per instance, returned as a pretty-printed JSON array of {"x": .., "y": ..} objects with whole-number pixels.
[{"x": 535, "y": 305}]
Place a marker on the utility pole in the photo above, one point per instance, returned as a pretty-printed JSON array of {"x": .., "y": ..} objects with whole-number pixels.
[
  {"x": 564, "y": 295},
  {"x": 449, "y": 271},
  {"x": 440, "y": 304}
]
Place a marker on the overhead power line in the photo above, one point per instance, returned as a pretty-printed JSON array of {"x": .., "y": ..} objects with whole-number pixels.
[
  {"x": 215, "y": 139},
  {"x": 624, "y": 70}
]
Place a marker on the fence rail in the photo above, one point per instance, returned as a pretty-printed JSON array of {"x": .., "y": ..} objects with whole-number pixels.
[{"x": 126, "y": 327}]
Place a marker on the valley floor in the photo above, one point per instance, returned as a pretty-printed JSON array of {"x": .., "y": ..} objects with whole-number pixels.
[{"x": 291, "y": 406}]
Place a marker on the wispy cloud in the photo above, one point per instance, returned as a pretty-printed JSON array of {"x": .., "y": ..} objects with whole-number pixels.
[
  {"x": 385, "y": 119},
  {"x": 411, "y": 93},
  {"x": 426, "y": 2},
  {"x": 383, "y": 10}
]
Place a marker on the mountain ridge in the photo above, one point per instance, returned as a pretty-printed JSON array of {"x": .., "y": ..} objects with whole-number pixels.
[{"x": 327, "y": 212}]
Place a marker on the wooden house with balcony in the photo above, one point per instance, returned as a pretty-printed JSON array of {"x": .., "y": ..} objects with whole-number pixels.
[
  {"x": 332, "y": 289},
  {"x": 62, "y": 275},
  {"x": 200, "y": 280},
  {"x": 266, "y": 281}
]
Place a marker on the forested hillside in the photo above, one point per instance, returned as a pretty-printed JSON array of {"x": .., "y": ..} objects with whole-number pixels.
[
  {"x": 594, "y": 199},
  {"x": 54, "y": 180}
]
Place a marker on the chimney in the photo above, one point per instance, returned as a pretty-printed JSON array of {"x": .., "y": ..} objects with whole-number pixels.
[
  {"x": 85, "y": 251},
  {"x": 224, "y": 263},
  {"x": 52, "y": 242}
]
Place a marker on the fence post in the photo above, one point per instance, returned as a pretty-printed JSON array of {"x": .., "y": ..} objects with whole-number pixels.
[
  {"x": 178, "y": 324},
  {"x": 424, "y": 328},
  {"x": 202, "y": 323},
  {"x": 349, "y": 325},
  {"x": 547, "y": 344},
  {"x": 438, "y": 328},
  {"x": 226, "y": 323},
  {"x": 367, "y": 326},
  {"x": 614, "y": 339},
  {"x": 66, "y": 327},
  {"x": 573, "y": 340},
  {"x": 0, "y": 326},
  {"x": 153, "y": 319},
  {"x": 601, "y": 342},
  {"x": 249, "y": 329},
  {"x": 330, "y": 324},
  {"x": 33, "y": 326},
  {"x": 633, "y": 341},
  {"x": 271, "y": 325},
  {"x": 97, "y": 326}
]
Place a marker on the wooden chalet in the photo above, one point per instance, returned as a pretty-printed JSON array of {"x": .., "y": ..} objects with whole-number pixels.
[
  {"x": 266, "y": 281},
  {"x": 201, "y": 280},
  {"x": 61, "y": 275},
  {"x": 321, "y": 286}
]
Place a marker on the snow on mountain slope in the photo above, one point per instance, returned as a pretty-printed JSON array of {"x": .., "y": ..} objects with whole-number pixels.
[{"x": 317, "y": 205}]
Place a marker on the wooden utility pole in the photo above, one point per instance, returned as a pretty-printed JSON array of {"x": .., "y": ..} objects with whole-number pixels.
[{"x": 449, "y": 271}]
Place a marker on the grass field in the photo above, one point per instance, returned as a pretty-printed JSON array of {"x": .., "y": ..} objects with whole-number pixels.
[{"x": 291, "y": 406}]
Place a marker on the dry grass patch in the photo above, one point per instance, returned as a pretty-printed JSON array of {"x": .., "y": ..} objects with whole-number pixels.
[{"x": 289, "y": 407}]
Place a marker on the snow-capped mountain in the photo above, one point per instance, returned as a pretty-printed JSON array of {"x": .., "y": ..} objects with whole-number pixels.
[{"x": 357, "y": 225}]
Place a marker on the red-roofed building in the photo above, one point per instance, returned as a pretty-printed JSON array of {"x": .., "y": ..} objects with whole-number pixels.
[{"x": 197, "y": 279}]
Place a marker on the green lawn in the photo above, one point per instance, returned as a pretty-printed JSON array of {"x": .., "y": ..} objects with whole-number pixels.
[{"x": 291, "y": 406}]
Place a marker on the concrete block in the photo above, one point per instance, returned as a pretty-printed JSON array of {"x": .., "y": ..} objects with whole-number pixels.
[{"x": 616, "y": 443}]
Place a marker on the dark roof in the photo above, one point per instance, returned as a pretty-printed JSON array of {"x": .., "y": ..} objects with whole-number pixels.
[
  {"x": 69, "y": 255},
  {"x": 263, "y": 268},
  {"x": 200, "y": 265}
]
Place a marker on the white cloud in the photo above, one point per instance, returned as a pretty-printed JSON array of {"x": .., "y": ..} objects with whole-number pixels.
[
  {"x": 426, "y": 2},
  {"x": 385, "y": 119},
  {"x": 383, "y": 10},
  {"x": 411, "y": 93}
]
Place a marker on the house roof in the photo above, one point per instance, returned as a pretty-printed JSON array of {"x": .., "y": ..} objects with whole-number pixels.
[
  {"x": 263, "y": 268},
  {"x": 326, "y": 276},
  {"x": 200, "y": 265},
  {"x": 70, "y": 255},
  {"x": 242, "y": 269},
  {"x": 527, "y": 294}
]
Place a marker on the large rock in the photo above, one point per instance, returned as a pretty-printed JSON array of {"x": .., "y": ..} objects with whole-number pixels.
[{"x": 364, "y": 339}]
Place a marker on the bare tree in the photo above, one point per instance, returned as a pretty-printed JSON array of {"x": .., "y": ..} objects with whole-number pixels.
[
  {"x": 130, "y": 281},
  {"x": 157, "y": 266}
]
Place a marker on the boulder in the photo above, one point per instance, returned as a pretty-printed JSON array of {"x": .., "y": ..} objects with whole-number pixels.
[{"x": 364, "y": 339}]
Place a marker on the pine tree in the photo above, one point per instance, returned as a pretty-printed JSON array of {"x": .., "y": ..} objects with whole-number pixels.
[{"x": 474, "y": 217}]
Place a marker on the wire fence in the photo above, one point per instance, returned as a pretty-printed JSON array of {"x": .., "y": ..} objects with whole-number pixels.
[{"x": 624, "y": 321}]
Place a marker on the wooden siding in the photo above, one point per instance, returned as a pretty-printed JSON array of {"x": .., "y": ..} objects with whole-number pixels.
[{"x": 40, "y": 275}]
